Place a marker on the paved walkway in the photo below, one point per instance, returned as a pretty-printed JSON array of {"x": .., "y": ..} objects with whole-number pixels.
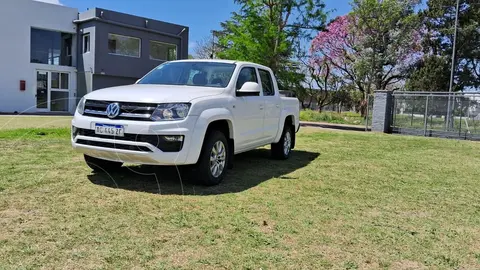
[{"x": 333, "y": 126}]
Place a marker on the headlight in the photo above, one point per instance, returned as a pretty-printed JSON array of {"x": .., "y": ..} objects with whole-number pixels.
[
  {"x": 171, "y": 111},
  {"x": 81, "y": 106}
]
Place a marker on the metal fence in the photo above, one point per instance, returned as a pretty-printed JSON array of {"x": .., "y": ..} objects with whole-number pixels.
[{"x": 454, "y": 115}]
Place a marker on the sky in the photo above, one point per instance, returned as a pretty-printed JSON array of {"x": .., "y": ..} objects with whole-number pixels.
[{"x": 201, "y": 16}]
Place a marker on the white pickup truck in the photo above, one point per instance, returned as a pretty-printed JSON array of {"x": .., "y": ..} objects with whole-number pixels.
[{"x": 187, "y": 112}]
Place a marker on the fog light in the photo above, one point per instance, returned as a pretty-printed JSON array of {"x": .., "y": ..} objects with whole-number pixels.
[
  {"x": 175, "y": 138},
  {"x": 74, "y": 132}
]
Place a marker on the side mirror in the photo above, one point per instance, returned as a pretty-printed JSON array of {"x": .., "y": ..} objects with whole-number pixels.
[{"x": 249, "y": 89}]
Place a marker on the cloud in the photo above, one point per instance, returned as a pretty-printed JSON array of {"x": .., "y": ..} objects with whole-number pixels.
[{"x": 55, "y": 2}]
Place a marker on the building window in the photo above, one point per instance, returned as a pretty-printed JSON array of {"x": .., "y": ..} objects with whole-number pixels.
[
  {"x": 59, "y": 80},
  {"x": 86, "y": 43},
  {"x": 50, "y": 47},
  {"x": 163, "y": 51},
  {"x": 123, "y": 45}
]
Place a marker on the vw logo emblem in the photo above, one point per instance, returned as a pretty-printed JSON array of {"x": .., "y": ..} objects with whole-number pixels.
[{"x": 113, "y": 110}]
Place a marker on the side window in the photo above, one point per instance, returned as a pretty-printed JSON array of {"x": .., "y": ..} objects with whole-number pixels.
[
  {"x": 247, "y": 74},
  {"x": 267, "y": 83}
]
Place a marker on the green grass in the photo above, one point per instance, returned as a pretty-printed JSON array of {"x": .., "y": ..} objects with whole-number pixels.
[
  {"x": 344, "y": 201},
  {"x": 24, "y": 121},
  {"x": 349, "y": 118}
]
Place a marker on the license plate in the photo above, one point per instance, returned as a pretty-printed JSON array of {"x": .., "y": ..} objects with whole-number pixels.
[{"x": 112, "y": 130}]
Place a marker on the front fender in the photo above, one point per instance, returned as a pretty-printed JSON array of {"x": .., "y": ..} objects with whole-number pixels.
[{"x": 198, "y": 134}]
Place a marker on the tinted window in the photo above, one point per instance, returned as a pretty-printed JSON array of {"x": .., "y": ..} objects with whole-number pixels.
[
  {"x": 123, "y": 45},
  {"x": 267, "y": 83},
  {"x": 247, "y": 74},
  {"x": 163, "y": 51},
  {"x": 50, "y": 47},
  {"x": 209, "y": 74}
]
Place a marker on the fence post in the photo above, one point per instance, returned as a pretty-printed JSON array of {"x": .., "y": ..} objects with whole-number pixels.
[
  {"x": 382, "y": 111},
  {"x": 368, "y": 112},
  {"x": 425, "y": 118}
]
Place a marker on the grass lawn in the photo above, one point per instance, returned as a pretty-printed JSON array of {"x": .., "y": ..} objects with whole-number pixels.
[
  {"x": 24, "y": 121},
  {"x": 344, "y": 200}
]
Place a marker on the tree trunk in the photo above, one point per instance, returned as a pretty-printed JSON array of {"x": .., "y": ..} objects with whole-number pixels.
[{"x": 363, "y": 108}]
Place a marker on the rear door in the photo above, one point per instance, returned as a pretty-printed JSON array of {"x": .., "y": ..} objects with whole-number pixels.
[
  {"x": 248, "y": 112},
  {"x": 272, "y": 104}
]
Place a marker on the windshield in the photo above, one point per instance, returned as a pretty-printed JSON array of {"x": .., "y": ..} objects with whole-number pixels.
[{"x": 209, "y": 74}]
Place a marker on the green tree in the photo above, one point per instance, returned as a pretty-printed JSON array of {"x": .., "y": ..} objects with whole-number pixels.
[
  {"x": 439, "y": 22},
  {"x": 266, "y": 32},
  {"x": 373, "y": 47},
  {"x": 390, "y": 39},
  {"x": 430, "y": 74}
]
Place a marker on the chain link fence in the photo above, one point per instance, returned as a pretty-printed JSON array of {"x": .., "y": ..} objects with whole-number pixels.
[{"x": 428, "y": 114}]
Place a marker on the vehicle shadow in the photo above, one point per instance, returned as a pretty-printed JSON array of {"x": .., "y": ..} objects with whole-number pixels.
[{"x": 251, "y": 169}]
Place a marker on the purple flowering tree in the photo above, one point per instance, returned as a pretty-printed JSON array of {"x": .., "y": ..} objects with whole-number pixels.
[{"x": 373, "y": 47}]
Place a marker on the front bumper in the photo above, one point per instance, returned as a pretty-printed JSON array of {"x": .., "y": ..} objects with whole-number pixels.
[{"x": 143, "y": 141}]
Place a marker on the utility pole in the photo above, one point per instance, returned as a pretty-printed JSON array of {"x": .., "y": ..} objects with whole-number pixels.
[
  {"x": 452, "y": 70},
  {"x": 213, "y": 44}
]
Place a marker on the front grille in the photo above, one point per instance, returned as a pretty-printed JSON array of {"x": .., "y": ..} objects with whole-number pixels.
[
  {"x": 155, "y": 140},
  {"x": 128, "y": 110},
  {"x": 114, "y": 145}
]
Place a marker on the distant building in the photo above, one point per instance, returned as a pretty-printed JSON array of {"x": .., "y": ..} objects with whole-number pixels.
[{"x": 52, "y": 55}]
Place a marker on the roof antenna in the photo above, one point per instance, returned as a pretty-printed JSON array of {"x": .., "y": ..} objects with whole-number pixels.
[{"x": 181, "y": 32}]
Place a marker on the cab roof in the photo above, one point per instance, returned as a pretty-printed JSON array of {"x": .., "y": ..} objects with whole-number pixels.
[{"x": 221, "y": 61}]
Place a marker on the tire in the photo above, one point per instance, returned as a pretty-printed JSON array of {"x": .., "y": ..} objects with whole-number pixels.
[
  {"x": 101, "y": 165},
  {"x": 205, "y": 171},
  {"x": 283, "y": 148}
]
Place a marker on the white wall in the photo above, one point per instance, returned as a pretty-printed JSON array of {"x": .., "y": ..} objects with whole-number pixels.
[{"x": 16, "y": 19}]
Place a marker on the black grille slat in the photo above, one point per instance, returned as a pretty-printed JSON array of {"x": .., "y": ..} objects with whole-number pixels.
[
  {"x": 125, "y": 107},
  {"x": 155, "y": 140},
  {"x": 115, "y": 145}
]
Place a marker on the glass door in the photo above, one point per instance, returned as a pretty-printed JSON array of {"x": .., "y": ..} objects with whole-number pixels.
[
  {"x": 59, "y": 92},
  {"x": 53, "y": 91},
  {"x": 42, "y": 90}
]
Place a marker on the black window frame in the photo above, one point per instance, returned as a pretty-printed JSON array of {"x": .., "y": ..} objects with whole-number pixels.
[
  {"x": 272, "y": 85},
  {"x": 86, "y": 46},
  {"x": 51, "y": 47},
  {"x": 239, "y": 94}
]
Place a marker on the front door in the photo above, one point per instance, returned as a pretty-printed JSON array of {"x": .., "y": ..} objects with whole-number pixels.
[
  {"x": 248, "y": 113},
  {"x": 53, "y": 91}
]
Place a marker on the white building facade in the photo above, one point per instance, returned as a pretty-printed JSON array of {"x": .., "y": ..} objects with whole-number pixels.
[
  {"x": 52, "y": 55},
  {"x": 37, "y": 66}
]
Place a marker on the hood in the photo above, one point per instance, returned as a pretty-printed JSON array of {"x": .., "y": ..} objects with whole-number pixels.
[{"x": 151, "y": 93}]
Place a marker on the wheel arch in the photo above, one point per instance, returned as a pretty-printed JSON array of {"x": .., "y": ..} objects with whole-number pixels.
[
  {"x": 213, "y": 119},
  {"x": 289, "y": 120}
]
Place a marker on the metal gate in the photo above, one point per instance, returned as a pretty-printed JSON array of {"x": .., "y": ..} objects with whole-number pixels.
[{"x": 437, "y": 114}]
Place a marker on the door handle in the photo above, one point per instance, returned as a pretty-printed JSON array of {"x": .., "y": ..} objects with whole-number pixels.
[
  {"x": 278, "y": 105},
  {"x": 261, "y": 107}
]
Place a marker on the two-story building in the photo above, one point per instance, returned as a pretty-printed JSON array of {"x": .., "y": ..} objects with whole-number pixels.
[{"x": 51, "y": 55}]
